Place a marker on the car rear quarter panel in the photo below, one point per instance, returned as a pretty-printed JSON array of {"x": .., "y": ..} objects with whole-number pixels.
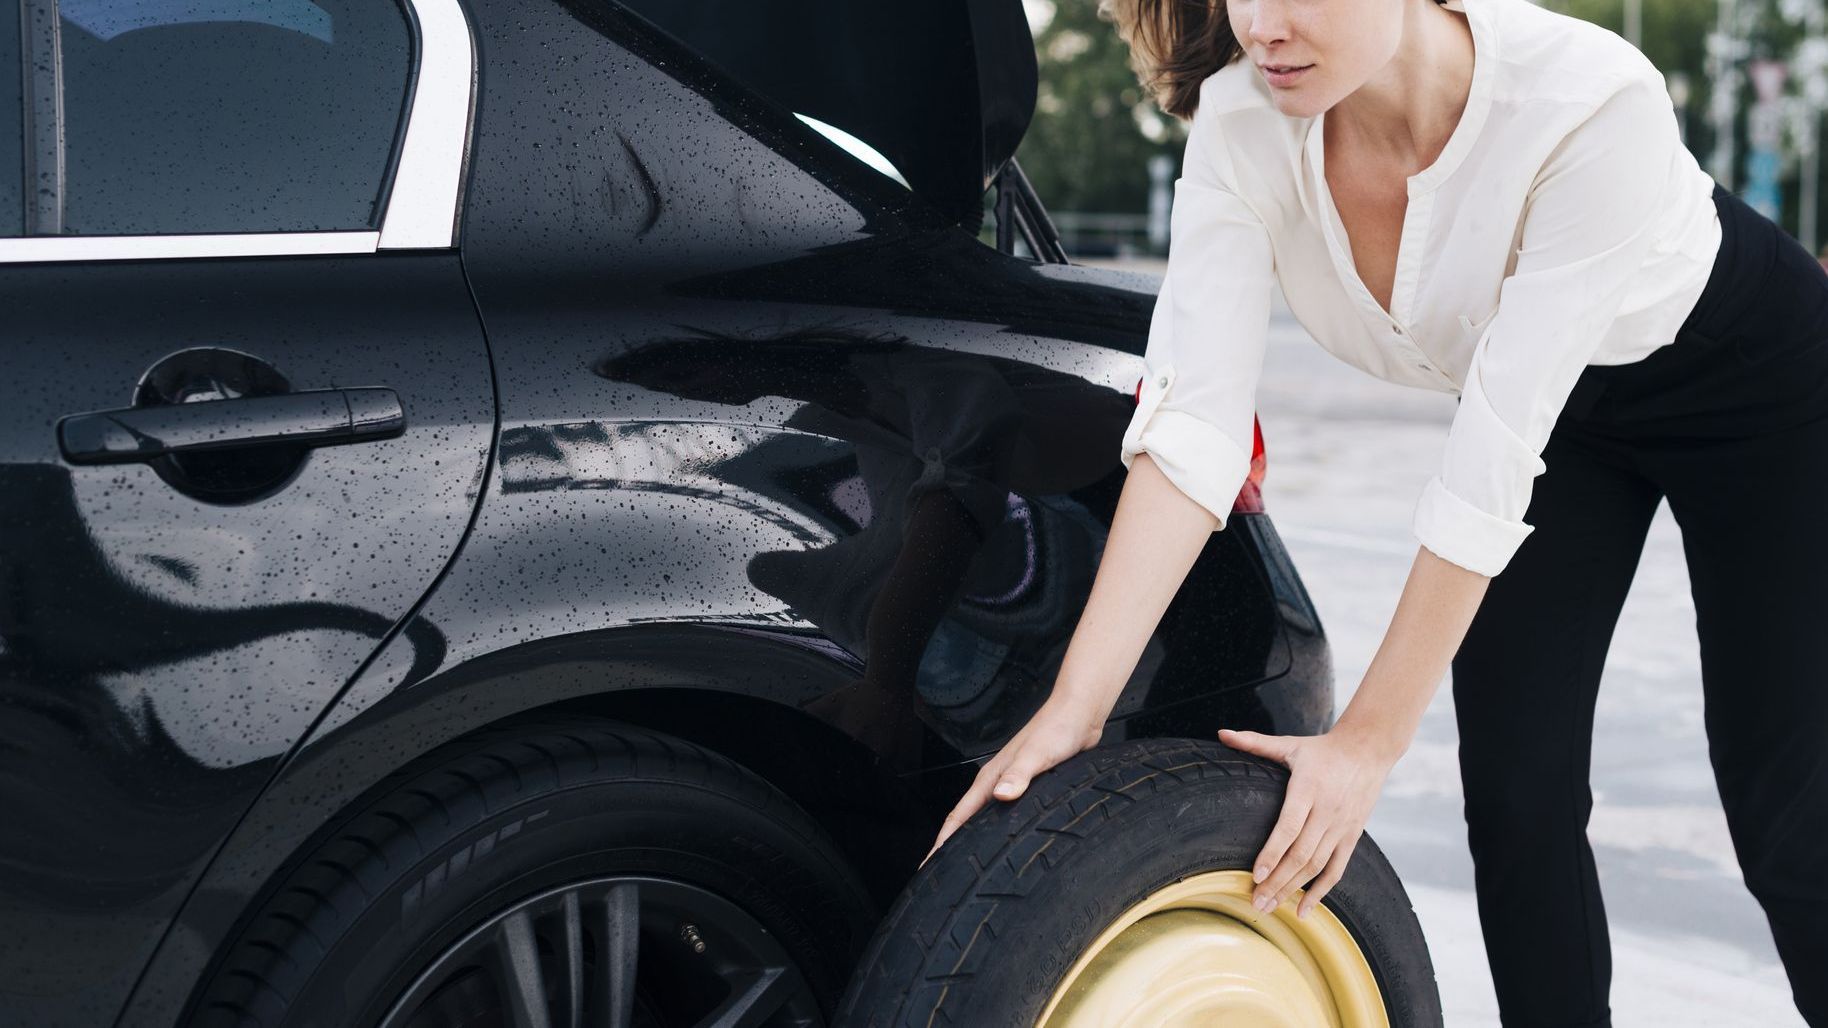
[{"x": 760, "y": 414}]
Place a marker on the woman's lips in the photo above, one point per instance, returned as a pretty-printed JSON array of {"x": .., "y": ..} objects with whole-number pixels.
[{"x": 1284, "y": 78}]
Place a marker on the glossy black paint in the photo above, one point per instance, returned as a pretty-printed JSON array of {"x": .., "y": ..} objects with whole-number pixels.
[
  {"x": 168, "y": 635},
  {"x": 774, "y": 456},
  {"x": 943, "y": 89}
]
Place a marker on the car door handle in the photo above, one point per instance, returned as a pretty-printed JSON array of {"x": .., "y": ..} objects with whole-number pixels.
[{"x": 318, "y": 417}]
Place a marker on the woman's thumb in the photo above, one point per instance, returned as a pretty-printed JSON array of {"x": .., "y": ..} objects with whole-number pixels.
[
  {"x": 1250, "y": 742},
  {"x": 1010, "y": 786}
]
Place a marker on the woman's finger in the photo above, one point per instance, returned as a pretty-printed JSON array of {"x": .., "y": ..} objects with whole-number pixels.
[
  {"x": 970, "y": 803},
  {"x": 1022, "y": 769},
  {"x": 1336, "y": 869},
  {"x": 1295, "y": 805},
  {"x": 1052, "y": 735},
  {"x": 959, "y": 815},
  {"x": 1274, "y": 747},
  {"x": 1313, "y": 829},
  {"x": 1005, "y": 777},
  {"x": 1316, "y": 862}
]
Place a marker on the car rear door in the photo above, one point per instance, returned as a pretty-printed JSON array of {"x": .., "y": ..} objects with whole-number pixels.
[{"x": 249, "y": 410}]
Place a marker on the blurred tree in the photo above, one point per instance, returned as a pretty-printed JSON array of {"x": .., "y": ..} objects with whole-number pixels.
[{"x": 1094, "y": 130}]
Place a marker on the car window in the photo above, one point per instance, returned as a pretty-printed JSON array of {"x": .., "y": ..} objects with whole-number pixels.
[
  {"x": 12, "y": 160},
  {"x": 208, "y": 116}
]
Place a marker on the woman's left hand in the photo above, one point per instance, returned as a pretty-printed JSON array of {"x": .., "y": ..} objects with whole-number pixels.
[{"x": 1334, "y": 781}]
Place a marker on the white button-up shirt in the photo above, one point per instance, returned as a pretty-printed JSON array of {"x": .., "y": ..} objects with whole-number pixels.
[{"x": 1564, "y": 224}]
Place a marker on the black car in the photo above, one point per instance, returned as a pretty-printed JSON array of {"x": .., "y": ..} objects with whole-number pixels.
[{"x": 527, "y": 512}]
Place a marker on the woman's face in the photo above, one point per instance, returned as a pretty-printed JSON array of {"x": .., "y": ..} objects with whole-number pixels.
[{"x": 1343, "y": 43}]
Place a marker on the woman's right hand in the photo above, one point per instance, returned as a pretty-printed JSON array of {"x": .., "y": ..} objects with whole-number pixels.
[
  {"x": 1156, "y": 534},
  {"x": 1060, "y": 729}
]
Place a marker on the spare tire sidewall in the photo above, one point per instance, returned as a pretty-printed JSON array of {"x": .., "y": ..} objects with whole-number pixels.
[
  {"x": 1149, "y": 846},
  {"x": 1019, "y": 893}
]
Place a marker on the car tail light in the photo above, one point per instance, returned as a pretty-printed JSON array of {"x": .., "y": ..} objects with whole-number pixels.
[{"x": 1250, "y": 497}]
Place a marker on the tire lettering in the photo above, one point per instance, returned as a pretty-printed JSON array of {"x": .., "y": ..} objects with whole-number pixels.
[{"x": 466, "y": 857}]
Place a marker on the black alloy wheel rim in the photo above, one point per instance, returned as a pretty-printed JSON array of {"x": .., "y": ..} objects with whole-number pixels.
[{"x": 626, "y": 951}]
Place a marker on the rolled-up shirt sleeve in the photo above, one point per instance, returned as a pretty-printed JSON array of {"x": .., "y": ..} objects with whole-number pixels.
[
  {"x": 1196, "y": 411},
  {"x": 1587, "y": 230}
]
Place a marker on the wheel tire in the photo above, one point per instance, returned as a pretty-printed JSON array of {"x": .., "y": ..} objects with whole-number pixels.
[
  {"x": 991, "y": 926},
  {"x": 521, "y": 811}
]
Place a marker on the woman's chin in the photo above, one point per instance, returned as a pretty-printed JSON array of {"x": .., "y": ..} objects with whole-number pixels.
[{"x": 1296, "y": 105}]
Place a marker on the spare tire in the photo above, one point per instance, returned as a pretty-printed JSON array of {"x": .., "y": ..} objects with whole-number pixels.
[{"x": 1116, "y": 890}]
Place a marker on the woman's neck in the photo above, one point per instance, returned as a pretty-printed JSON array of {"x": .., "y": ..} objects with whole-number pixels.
[{"x": 1406, "y": 112}]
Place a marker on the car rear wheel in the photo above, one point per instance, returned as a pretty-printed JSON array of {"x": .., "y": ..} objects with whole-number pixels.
[
  {"x": 557, "y": 874},
  {"x": 1116, "y": 890}
]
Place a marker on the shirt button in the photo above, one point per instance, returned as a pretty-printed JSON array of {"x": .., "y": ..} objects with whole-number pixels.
[{"x": 1162, "y": 381}]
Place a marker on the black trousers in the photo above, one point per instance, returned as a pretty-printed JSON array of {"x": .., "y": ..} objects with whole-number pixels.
[{"x": 1730, "y": 423}]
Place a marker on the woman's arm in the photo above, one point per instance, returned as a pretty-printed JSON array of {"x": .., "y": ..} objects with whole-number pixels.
[
  {"x": 1156, "y": 534},
  {"x": 1335, "y": 778},
  {"x": 1431, "y": 618}
]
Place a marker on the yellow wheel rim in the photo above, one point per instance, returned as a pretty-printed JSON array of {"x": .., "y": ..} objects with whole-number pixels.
[{"x": 1197, "y": 953}]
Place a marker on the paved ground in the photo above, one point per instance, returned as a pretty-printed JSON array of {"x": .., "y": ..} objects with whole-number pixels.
[{"x": 1348, "y": 455}]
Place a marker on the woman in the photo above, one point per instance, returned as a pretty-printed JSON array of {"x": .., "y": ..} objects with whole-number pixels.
[{"x": 1490, "y": 199}]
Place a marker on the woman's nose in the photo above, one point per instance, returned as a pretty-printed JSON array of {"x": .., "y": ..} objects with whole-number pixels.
[{"x": 1268, "y": 22}]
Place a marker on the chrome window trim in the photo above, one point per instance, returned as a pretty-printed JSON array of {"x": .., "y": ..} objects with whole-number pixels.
[
  {"x": 422, "y": 203},
  {"x": 428, "y": 181},
  {"x": 26, "y": 249}
]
